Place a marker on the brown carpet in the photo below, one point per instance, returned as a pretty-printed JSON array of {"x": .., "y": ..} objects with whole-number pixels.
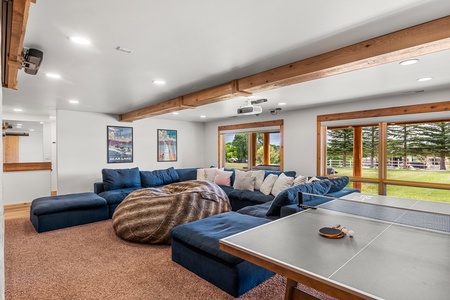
[{"x": 91, "y": 262}]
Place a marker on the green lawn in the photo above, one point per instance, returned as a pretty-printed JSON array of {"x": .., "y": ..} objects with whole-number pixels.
[{"x": 435, "y": 195}]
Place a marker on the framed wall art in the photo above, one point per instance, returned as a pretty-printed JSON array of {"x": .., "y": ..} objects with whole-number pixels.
[
  {"x": 120, "y": 144},
  {"x": 167, "y": 145}
]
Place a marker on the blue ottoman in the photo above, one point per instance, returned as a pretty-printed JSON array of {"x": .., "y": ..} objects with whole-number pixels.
[
  {"x": 55, "y": 212},
  {"x": 195, "y": 246}
]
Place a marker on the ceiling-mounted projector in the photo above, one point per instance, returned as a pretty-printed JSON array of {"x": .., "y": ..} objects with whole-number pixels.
[
  {"x": 250, "y": 109},
  {"x": 32, "y": 59}
]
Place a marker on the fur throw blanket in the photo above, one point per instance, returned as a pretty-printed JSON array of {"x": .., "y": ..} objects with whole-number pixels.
[{"x": 147, "y": 215}]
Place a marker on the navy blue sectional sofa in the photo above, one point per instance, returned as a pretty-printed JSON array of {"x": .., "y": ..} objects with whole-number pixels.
[{"x": 118, "y": 183}]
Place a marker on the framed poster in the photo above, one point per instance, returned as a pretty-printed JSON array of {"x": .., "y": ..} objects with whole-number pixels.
[
  {"x": 120, "y": 144},
  {"x": 167, "y": 145}
]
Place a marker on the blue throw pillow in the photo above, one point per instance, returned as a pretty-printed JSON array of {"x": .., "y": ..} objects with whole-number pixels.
[
  {"x": 115, "y": 179},
  {"x": 187, "y": 174},
  {"x": 290, "y": 195},
  {"x": 338, "y": 183},
  {"x": 159, "y": 177}
]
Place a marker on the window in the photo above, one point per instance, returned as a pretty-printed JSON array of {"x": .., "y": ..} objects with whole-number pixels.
[
  {"x": 408, "y": 159},
  {"x": 251, "y": 146}
]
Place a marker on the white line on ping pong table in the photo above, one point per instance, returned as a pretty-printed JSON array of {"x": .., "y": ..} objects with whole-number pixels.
[{"x": 368, "y": 244}]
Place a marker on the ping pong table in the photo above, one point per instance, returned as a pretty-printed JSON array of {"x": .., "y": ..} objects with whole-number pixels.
[{"x": 400, "y": 249}]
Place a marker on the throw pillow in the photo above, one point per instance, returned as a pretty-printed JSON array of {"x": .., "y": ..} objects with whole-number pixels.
[
  {"x": 223, "y": 178},
  {"x": 300, "y": 179},
  {"x": 246, "y": 183},
  {"x": 210, "y": 173},
  {"x": 314, "y": 178},
  {"x": 267, "y": 185},
  {"x": 201, "y": 174},
  {"x": 283, "y": 182},
  {"x": 338, "y": 183},
  {"x": 259, "y": 178},
  {"x": 240, "y": 175},
  {"x": 114, "y": 179},
  {"x": 159, "y": 177},
  {"x": 290, "y": 196}
]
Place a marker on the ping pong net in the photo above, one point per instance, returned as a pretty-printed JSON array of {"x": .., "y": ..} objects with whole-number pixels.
[{"x": 409, "y": 216}]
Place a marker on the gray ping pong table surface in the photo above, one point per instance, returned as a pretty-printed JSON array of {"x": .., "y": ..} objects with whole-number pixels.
[{"x": 387, "y": 258}]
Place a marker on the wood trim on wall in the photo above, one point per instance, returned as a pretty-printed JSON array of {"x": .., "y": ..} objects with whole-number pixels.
[
  {"x": 381, "y": 112},
  {"x": 248, "y": 126},
  {"x": 27, "y": 166}
]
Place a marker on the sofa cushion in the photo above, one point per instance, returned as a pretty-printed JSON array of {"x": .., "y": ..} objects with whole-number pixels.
[
  {"x": 159, "y": 177},
  {"x": 254, "y": 197},
  {"x": 205, "y": 234},
  {"x": 114, "y": 179},
  {"x": 259, "y": 178},
  {"x": 259, "y": 210},
  {"x": 116, "y": 196},
  {"x": 338, "y": 183},
  {"x": 290, "y": 195},
  {"x": 187, "y": 174}
]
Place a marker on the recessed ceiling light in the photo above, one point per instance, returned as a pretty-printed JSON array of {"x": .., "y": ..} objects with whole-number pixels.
[
  {"x": 175, "y": 113},
  {"x": 73, "y": 101},
  {"x": 79, "y": 40},
  {"x": 281, "y": 103},
  {"x": 53, "y": 75},
  {"x": 159, "y": 82},
  {"x": 202, "y": 117},
  {"x": 409, "y": 62},
  {"x": 425, "y": 79},
  {"x": 31, "y": 129},
  {"x": 19, "y": 124},
  {"x": 18, "y": 110}
]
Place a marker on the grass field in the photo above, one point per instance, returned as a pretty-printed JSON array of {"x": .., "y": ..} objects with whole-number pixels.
[{"x": 435, "y": 195}]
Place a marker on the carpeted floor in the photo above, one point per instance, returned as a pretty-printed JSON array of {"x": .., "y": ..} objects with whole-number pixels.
[{"x": 91, "y": 262}]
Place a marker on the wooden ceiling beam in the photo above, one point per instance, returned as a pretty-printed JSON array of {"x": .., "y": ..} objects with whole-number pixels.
[
  {"x": 154, "y": 110},
  {"x": 14, "y": 20},
  {"x": 411, "y": 42}
]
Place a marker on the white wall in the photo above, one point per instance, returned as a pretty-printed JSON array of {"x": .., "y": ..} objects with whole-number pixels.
[
  {"x": 31, "y": 148},
  {"x": 300, "y": 127},
  {"x": 2, "y": 224},
  {"x": 25, "y": 186},
  {"x": 82, "y": 147}
]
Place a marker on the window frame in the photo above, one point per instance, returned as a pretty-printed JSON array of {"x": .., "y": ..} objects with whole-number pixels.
[
  {"x": 382, "y": 179},
  {"x": 252, "y": 158}
]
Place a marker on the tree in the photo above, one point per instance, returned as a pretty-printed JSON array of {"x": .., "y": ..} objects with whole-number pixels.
[
  {"x": 240, "y": 143},
  {"x": 435, "y": 140},
  {"x": 340, "y": 142},
  {"x": 402, "y": 141},
  {"x": 371, "y": 139}
]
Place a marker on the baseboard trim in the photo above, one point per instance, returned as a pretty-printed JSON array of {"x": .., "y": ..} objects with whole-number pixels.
[{"x": 15, "y": 206}]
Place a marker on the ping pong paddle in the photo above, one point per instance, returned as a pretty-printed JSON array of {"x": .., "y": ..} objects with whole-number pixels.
[{"x": 331, "y": 232}]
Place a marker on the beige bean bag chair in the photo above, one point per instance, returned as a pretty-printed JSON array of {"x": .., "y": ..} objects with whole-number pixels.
[{"x": 147, "y": 215}]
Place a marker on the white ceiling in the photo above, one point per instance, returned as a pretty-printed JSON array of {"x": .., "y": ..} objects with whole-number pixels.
[{"x": 197, "y": 44}]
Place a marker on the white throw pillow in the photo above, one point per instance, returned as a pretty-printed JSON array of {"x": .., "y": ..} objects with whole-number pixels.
[
  {"x": 210, "y": 173},
  {"x": 314, "y": 178},
  {"x": 246, "y": 183},
  {"x": 300, "y": 179},
  {"x": 240, "y": 176},
  {"x": 206, "y": 174},
  {"x": 201, "y": 174},
  {"x": 259, "y": 178},
  {"x": 266, "y": 186},
  {"x": 283, "y": 182}
]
